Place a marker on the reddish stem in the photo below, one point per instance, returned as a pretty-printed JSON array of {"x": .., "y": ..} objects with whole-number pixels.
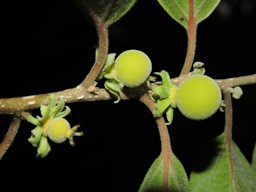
[
  {"x": 166, "y": 150},
  {"x": 191, "y": 34},
  {"x": 102, "y": 31},
  {"x": 228, "y": 114},
  {"x": 228, "y": 128}
]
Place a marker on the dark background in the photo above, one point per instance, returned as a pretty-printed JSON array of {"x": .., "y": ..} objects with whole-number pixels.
[{"x": 48, "y": 45}]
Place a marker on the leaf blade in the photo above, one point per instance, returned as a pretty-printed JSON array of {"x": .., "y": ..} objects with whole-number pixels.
[
  {"x": 109, "y": 11},
  {"x": 228, "y": 171},
  {"x": 204, "y": 8},
  {"x": 254, "y": 159},
  {"x": 153, "y": 180},
  {"x": 179, "y": 10}
]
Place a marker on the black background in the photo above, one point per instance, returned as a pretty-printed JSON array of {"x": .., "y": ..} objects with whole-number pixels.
[{"x": 49, "y": 46}]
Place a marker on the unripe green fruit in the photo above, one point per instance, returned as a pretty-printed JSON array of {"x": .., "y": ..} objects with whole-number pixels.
[
  {"x": 58, "y": 129},
  {"x": 133, "y": 67},
  {"x": 198, "y": 97}
]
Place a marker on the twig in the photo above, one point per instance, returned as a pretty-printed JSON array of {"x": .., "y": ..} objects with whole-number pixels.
[
  {"x": 166, "y": 151},
  {"x": 191, "y": 34},
  {"x": 223, "y": 83},
  {"x": 10, "y": 136},
  {"x": 78, "y": 94},
  {"x": 237, "y": 81}
]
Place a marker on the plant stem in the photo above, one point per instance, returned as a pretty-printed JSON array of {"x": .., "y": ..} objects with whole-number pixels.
[
  {"x": 78, "y": 94},
  {"x": 228, "y": 114},
  {"x": 191, "y": 34},
  {"x": 102, "y": 31},
  {"x": 228, "y": 127},
  {"x": 17, "y": 105},
  {"x": 237, "y": 81},
  {"x": 10, "y": 136},
  {"x": 166, "y": 150}
]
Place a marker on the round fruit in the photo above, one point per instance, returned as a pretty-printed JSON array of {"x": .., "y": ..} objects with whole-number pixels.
[
  {"x": 58, "y": 129},
  {"x": 198, "y": 97},
  {"x": 133, "y": 67}
]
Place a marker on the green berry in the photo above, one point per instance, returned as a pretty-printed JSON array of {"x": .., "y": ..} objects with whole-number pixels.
[
  {"x": 198, "y": 97},
  {"x": 58, "y": 129},
  {"x": 133, "y": 67}
]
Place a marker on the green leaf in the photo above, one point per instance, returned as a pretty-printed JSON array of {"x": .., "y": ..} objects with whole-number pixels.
[
  {"x": 227, "y": 170},
  {"x": 178, "y": 181},
  {"x": 179, "y": 9},
  {"x": 161, "y": 92},
  {"x": 36, "y": 135},
  {"x": 169, "y": 115},
  {"x": 33, "y": 120},
  {"x": 43, "y": 148},
  {"x": 109, "y": 11},
  {"x": 204, "y": 8},
  {"x": 114, "y": 87},
  {"x": 64, "y": 113},
  {"x": 162, "y": 105},
  {"x": 254, "y": 159},
  {"x": 58, "y": 107},
  {"x": 109, "y": 63},
  {"x": 165, "y": 78},
  {"x": 44, "y": 110}
]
